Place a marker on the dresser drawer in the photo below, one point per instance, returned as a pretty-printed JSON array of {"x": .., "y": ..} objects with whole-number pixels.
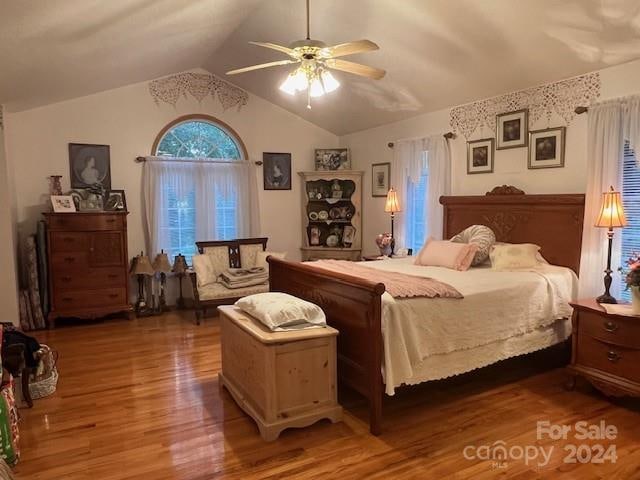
[
  {"x": 86, "y": 222},
  {"x": 616, "y": 330},
  {"x": 616, "y": 360},
  {"x": 69, "y": 241},
  {"x": 91, "y": 298},
  {"x": 96, "y": 278},
  {"x": 69, "y": 261}
]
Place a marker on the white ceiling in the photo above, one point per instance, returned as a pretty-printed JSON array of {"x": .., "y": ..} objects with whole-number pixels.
[{"x": 437, "y": 53}]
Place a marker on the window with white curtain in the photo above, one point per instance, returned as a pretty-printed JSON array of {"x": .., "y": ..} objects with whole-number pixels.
[
  {"x": 416, "y": 214},
  {"x": 631, "y": 204},
  {"x": 191, "y": 197}
]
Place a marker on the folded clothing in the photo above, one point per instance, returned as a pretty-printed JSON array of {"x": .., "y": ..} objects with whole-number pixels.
[
  {"x": 243, "y": 277},
  {"x": 281, "y": 311}
]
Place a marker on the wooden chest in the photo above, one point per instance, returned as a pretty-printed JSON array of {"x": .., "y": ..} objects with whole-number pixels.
[
  {"x": 606, "y": 349},
  {"x": 280, "y": 379},
  {"x": 88, "y": 264}
]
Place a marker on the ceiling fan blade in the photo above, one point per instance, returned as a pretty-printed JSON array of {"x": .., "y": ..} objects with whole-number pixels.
[
  {"x": 273, "y": 46},
  {"x": 262, "y": 65},
  {"x": 349, "y": 48},
  {"x": 356, "y": 68}
]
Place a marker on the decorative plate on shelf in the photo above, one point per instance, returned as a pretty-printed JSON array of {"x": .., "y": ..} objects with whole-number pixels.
[
  {"x": 323, "y": 215},
  {"x": 332, "y": 241},
  {"x": 313, "y": 216}
]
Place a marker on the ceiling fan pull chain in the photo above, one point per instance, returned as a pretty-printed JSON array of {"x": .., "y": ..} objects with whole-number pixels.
[{"x": 309, "y": 97}]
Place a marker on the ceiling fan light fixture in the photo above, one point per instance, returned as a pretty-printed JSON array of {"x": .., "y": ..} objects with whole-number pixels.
[
  {"x": 329, "y": 81},
  {"x": 296, "y": 81}
]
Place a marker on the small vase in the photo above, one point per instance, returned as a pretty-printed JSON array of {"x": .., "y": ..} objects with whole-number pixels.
[{"x": 635, "y": 300}]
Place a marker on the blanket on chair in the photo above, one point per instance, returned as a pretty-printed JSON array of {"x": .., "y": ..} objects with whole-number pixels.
[{"x": 398, "y": 285}]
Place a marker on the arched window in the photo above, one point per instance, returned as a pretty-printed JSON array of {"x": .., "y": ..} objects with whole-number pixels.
[{"x": 199, "y": 189}]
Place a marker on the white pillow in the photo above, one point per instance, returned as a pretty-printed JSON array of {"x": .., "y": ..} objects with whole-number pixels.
[
  {"x": 514, "y": 256},
  {"x": 541, "y": 259},
  {"x": 205, "y": 271},
  {"x": 261, "y": 258},
  {"x": 281, "y": 311}
]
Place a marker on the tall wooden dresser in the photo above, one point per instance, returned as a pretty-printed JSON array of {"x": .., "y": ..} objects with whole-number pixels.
[{"x": 88, "y": 264}]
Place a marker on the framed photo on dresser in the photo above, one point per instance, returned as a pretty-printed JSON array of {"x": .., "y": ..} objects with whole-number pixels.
[
  {"x": 512, "y": 129},
  {"x": 546, "y": 148},
  {"x": 480, "y": 156}
]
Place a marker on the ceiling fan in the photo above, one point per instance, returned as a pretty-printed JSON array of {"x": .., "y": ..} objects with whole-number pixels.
[{"x": 315, "y": 59}]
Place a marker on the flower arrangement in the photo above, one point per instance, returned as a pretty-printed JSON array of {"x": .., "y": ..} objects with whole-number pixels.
[
  {"x": 384, "y": 241},
  {"x": 632, "y": 274}
]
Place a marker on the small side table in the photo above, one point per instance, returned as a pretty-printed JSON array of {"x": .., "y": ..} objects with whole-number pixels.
[
  {"x": 606, "y": 349},
  {"x": 280, "y": 379}
]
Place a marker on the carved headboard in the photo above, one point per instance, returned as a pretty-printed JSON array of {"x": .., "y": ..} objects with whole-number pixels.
[{"x": 552, "y": 221}]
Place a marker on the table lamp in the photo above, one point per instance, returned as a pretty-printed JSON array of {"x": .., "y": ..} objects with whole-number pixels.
[
  {"x": 392, "y": 205},
  {"x": 180, "y": 268},
  {"x": 140, "y": 267},
  {"x": 611, "y": 216},
  {"x": 162, "y": 266}
]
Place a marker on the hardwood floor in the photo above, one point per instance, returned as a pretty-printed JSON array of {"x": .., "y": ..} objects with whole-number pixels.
[{"x": 140, "y": 400}]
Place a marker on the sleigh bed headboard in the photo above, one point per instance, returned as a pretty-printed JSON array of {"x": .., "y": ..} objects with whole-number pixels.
[{"x": 552, "y": 221}]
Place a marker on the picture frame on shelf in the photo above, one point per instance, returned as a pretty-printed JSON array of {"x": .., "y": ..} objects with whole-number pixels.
[
  {"x": 89, "y": 164},
  {"x": 276, "y": 171},
  {"x": 115, "y": 201},
  {"x": 512, "y": 129},
  {"x": 380, "y": 179},
  {"x": 480, "y": 156},
  {"x": 348, "y": 235},
  {"x": 63, "y": 204},
  {"x": 332, "y": 159},
  {"x": 546, "y": 148}
]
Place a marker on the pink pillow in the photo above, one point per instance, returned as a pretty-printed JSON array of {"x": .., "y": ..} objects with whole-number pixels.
[{"x": 443, "y": 253}]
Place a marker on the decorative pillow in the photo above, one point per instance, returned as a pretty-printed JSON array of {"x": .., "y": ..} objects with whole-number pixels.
[
  {"x": 514, "y": 256},
  {"x": 261, "y": 258},
  {"x": 443, "y": 253},
  {"x": 205, "y": 273},
  {"x": 482, "y": 236},
  {"x": 539, "y": 256},
  {"x": 281, "y": 311}
]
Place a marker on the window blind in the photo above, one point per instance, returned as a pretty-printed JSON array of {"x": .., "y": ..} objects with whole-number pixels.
[{"x": 631, "y": 204}]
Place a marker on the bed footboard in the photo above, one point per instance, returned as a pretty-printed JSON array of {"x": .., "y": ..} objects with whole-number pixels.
[{"x": 353, "y": 306}]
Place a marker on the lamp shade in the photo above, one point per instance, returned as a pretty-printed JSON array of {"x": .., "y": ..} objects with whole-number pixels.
[
  {"x": 142, "y": 266},
  {"x": 611, "y": 213},
  {"x": 161, "y": 263},
  {"x": 180, "y": 264},
  {"x": 392, "y": 204}
]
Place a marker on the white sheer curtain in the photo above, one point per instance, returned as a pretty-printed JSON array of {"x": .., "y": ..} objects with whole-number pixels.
[
  {"x": 605, "y": 147},
  {"x": 202, "y": 183},
  {"x": 411, "y": 158}
]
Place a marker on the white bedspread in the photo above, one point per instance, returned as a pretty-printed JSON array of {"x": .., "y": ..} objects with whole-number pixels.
[{"x": 498, "y": 306}]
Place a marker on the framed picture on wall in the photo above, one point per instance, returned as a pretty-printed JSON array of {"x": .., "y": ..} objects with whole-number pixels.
[
  {"x": 512, "y": 129},
  {"x": 480, "y": 156},
  {"x": 380, "y": 179},
  {"x": 276, "y": 171},
  {"x": 332, "y": 159},
  {"x": 546, "y": 148},
  {"x": 89, "y": 165}
]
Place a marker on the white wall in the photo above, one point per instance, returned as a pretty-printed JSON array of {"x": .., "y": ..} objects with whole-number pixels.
[
  {"x": 128, "y": 119},
  {"x": 8, "y": 279},
  {"x": 510, "y": 166}
]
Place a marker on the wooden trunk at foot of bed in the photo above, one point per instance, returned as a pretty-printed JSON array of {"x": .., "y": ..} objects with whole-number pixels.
[{"x": 352, "y": 306}]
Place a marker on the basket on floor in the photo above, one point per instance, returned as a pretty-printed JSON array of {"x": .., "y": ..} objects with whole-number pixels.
[
  {"x": 43, "y": 383},
  {"x": 45, "y": 387}
]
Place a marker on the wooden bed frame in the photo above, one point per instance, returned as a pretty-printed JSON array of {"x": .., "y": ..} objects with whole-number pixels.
[{"x": 353, "y": 305}]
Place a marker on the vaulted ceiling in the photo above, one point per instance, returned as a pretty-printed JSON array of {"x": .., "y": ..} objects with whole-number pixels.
[{"x": 437, "y": 53}]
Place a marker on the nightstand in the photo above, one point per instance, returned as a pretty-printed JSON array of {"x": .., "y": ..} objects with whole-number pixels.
[{"x": 606, "y": 349}]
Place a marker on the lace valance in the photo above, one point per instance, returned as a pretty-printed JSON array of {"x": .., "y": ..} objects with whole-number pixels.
[
  {"x": 559, "y": 97},
  {"x": 198, "y": 85}
]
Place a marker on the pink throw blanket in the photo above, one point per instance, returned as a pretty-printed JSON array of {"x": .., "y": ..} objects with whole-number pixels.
[{"x": 399, "y": 285}]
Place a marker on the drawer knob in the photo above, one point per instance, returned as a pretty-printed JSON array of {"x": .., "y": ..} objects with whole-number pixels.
[
  {"x": 113, "y": 295},
  {"x": 66, "y": 279},
  {"x": 613, "y": 356},
  {"x": 69, "y": 259},
  {"x": 610, "y": 326}
]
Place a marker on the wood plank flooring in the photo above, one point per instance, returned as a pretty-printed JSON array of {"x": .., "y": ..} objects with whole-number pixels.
[{"x": 140, "y": 400}]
